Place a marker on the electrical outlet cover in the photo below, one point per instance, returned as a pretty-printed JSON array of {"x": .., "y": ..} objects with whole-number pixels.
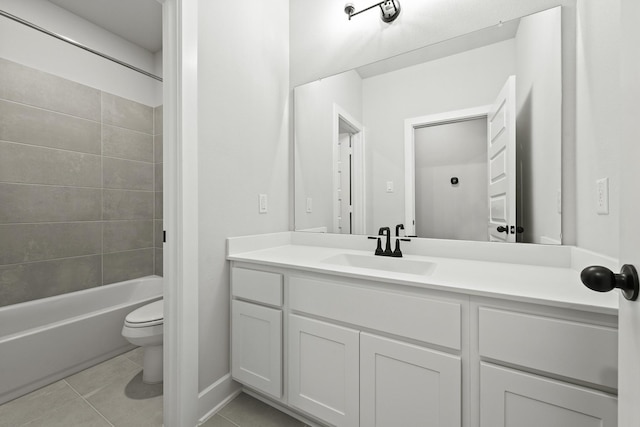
[{"x": 602, "y": 196}]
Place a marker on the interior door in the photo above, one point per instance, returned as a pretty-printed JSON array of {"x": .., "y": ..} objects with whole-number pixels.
[
  {"x": 344, "y": 184},
  {"x": 501, "y": 163},
  {"x": 629, "y": 314}
]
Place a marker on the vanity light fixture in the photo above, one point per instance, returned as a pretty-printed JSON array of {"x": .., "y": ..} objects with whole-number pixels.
[{"x": 389, "y": 10}]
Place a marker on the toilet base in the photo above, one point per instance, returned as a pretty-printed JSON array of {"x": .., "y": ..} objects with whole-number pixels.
[{"x": 152, "y": 364}]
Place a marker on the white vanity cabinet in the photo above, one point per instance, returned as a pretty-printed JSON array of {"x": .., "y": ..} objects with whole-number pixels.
[
  {"x": 256, "y": 330},
  {"x": 512, "y": 398},
  {"x": 402, "y": 384},
  {"x": 352, "y": 375},
  {"x": 546, "y": 367},
  {"x": 323, "y": 370},
  {"x": 353, "y": 352}
]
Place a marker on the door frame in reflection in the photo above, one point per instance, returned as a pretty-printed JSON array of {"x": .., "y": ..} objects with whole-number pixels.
[
  {"x": 410, "y": 126},
  {"x": 343, "y": 122}
]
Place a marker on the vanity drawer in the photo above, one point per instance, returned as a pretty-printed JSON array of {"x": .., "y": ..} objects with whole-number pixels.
[
  {"x": 258, "y": 286},
  {"x": 424, "y": 319},
  {"x": 571, "y": 349}
]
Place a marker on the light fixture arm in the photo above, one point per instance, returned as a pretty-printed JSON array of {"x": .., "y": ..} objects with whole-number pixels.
[{"x": 389, "y": 9}]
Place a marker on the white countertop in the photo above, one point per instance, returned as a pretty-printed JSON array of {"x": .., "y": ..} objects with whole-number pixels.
[{"x": 552, "y": 285}]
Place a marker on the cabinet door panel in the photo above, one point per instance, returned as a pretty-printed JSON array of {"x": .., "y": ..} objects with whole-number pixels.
[
  {"x": 323, "y": 370},
  {"x": 256, "y": 347},
  {"x": 509, "y": 398},
  {"x": 406, "y": 385}
]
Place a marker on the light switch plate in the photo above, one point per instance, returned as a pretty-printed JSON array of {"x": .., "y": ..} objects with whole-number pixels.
[
  {"x": 262, "y": 203},
  {"x": 309, "y": 205},
  {"x": 602, "y": 196},
  {"x": 389, "y": 186}
]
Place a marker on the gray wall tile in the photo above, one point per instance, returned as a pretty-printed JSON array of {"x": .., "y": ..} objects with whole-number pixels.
[
  {"x": 26, "y": 282},
  {"x": 33, "y": 87},
  {"x": 123, "y": 204},
  {"x": 128, "y": 114},
  {"x": 127, "y": 144},
  {"x": 120, "y": 266},
  {"x": 158, "y": 205},
  {"x": 157, "y": 148},
  {"x": 58, "y": 205},
  {"x": 127, "y": 235},
  {"x": 157, "y": 233},
  {"x": 37, "y": 242},
  {"x": 158, "y": 262},
  {"x": 158, "y": 176},
  {"x": 21, "y": 203},
  {"x": 157, "y": 120},
  {"x": 28, "y": 164},
  {"x": 127, "y": 174},
  {"x": 29, "y": 125}
]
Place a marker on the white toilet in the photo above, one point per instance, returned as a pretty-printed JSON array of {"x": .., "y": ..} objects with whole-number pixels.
[{"x": 144, "y": 327}]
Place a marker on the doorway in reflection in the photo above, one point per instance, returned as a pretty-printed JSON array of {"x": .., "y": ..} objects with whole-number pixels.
[{"x": 450, "y": 180}]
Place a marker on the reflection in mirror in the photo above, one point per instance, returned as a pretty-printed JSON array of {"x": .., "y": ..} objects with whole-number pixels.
[{"x": 457, "y": 140}]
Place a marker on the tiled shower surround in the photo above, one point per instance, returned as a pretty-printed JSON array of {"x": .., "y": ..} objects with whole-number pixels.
[{"x": 80, "y": 186}]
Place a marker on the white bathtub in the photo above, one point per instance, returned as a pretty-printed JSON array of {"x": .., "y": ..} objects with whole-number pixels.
[{"x": 45, "y": 340}]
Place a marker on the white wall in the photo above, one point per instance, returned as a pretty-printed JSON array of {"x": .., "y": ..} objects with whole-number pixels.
[
  {"x": 445, "y": 210},
  {"x": 597, "y": 117},
  {"x": 243, "y": 149},
  {"x": 314, "y": 105},
  {"x": 466, "y": 80},
  {"x": 539, "y": 125},
  {"x": 324, "y": 42},
  {"x": 35, "y": 49}
]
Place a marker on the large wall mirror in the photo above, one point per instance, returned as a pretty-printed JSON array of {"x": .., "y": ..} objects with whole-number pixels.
[{"x": 457, "y": 140}]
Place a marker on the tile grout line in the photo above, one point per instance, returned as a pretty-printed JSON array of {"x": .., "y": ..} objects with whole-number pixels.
[
  {"x": 37, "y": 107},
  {"x": 153, "y": 216},
  {"x": 87, "y": 402},
  {"x": 102, "y": 188},
  {"x": 46, "y": 147},
  {"x": 58, "y": 259},
  {"x": 37, "y": 184},
  {"x": 231, "y": 421},
  {"x": 82, "y": 153},
  {"x": 99, "y": 121}
]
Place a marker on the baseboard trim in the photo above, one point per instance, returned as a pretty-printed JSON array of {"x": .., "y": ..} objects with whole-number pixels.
[
  {"x": 280, "y": 407},
  {"x": 214, "y": 397}
]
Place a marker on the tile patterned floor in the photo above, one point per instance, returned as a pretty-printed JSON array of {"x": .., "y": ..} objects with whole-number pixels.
[
  {"x": 245, "y": 411},
  {"x": 112, "y": 394}
]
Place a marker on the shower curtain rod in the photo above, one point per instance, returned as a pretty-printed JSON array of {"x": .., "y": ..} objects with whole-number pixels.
[{"x": 76, "y": 44}]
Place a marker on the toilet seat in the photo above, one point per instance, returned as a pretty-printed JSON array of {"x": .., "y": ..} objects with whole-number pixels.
[{"x": 146, "y": 316}]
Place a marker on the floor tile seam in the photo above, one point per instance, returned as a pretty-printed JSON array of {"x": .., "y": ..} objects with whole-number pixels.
[
  {"x": 131, "y": 360},
  {"x": 231, "y": 421},
  {"x": 88, "y": 403}
]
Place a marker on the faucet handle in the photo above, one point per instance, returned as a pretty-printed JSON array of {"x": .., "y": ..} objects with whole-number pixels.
[{"x": 379, "y": 250}]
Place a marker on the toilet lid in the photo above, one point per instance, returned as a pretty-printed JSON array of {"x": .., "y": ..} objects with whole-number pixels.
[{"x": 147, "y": 315}]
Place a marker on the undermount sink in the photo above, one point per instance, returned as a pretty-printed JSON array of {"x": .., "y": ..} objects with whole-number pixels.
[{"x": 389, "y": 264}]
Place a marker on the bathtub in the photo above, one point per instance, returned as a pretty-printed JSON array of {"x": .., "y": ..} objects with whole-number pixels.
[{"x": 45, "y": 340}]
